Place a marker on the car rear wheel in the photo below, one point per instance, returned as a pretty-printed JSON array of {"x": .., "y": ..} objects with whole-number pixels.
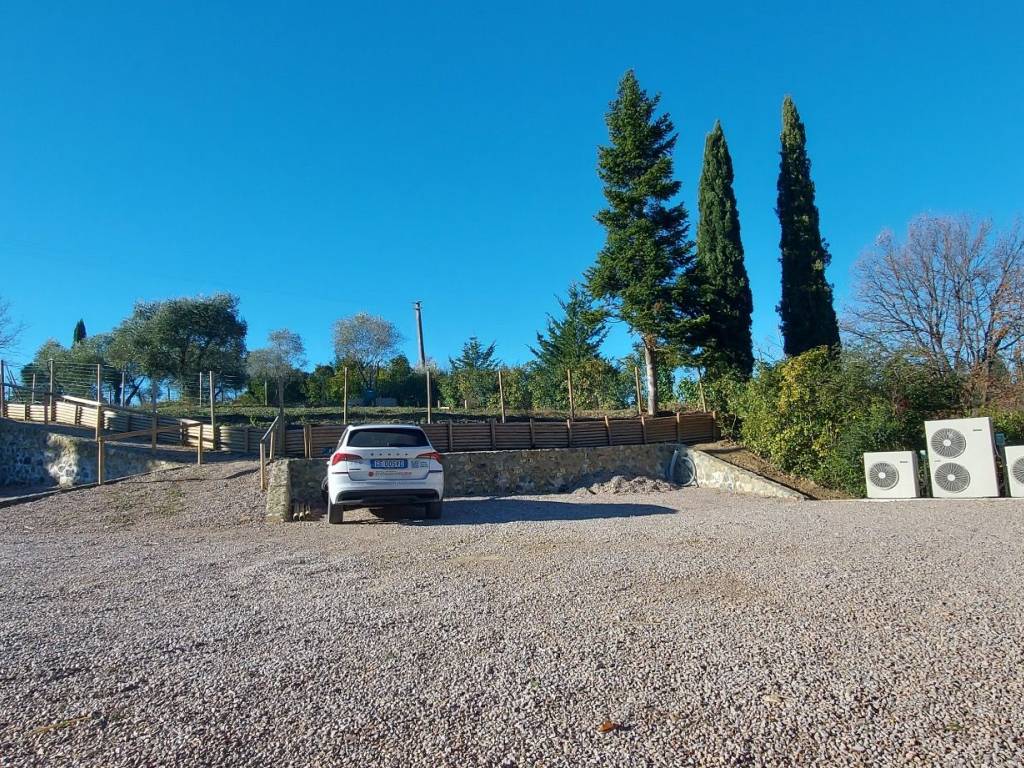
[
  {"x": 335, "y": 513},
  {"x": 434, "y": 510}
]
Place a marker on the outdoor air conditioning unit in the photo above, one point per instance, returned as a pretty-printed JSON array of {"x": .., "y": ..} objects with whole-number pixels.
[
  {"x": 891, "y": 475},
  {"x": 1015, "y": 470},
  {"x": 962, "y": 458}
]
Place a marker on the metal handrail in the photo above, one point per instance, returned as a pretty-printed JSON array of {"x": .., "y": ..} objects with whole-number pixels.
[{"x": 267, "y": 441}]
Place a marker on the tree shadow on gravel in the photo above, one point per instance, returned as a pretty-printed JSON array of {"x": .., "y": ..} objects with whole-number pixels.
[{"x": 509, "y": 509}]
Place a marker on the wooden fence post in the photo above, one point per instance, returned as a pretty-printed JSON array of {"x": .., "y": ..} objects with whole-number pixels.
[
  {"x": 344, "y": 399},
  {"x": 33, "y": 400},
  {"x": 568, "y": 432},
  {"x": 99, "y": 400},
  {"x": 572, "y": 399},
  {"x": 679, "y": 427},
  {"x": 53, "y": 403},
  {"x": 533, "y": 436},
  {"x": 213, "y": 414},
  {"x": 451, "y": 436},
  {"x": 263, "y": 466},
  {"x": 429, "y": 395},
  {"x": 608, "y": 429},
  {"x": 200, "y": 389},
  {"x": 199, "y": 446},
  {"x": 501, "y": 396},
  {"x": 643, "y": 427},
  {"x": 153, "y": 417},
  {"x": 639, "y": 399},
  {"x": 307, "y": 440},
  {"x": 494, "y": 442}
]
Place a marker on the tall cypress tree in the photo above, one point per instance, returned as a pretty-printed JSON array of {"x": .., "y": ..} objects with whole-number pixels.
[
  {"x": 808, "y": 317},
  {"x": 79, "y": 332},
  {"x": 727, "y": 348},
  {"x": 645, "y": 271}
]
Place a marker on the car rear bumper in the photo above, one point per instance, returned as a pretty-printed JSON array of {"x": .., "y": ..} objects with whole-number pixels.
[{"x": 386, "y": 497}]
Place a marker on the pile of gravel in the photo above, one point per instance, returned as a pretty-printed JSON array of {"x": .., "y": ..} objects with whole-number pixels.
[
  {"x": 161, "y": 623},
  {"x": 617, "y": 485}
]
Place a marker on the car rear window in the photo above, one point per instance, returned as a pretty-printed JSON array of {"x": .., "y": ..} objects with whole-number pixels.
[{"x": 387, "y": 438}]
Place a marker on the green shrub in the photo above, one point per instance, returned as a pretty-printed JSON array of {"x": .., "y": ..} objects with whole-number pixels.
[{"x": 815, "y": 414}]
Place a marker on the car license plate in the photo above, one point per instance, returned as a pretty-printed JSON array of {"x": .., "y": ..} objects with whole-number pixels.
[{"x": 389, "y": 463}]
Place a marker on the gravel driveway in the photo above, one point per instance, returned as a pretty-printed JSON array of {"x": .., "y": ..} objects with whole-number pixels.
[{"x": 160, "y": 622}]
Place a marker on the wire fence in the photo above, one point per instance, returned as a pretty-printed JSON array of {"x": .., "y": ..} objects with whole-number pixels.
[
  {"x": 326, "y": 394},
  {"x": 127, "y": 386}
]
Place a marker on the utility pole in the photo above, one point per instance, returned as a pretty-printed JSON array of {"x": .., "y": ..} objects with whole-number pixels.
[{"x": 419, "y": 333}]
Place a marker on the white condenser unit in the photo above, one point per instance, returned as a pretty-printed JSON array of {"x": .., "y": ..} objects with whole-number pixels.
[
  {"x": 962, "y": 458},
  {"x": 1015, "y": 470},
  {"x": 891, "y": 475}
]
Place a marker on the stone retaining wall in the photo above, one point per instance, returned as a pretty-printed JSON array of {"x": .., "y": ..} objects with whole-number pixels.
[
  {"x": 30, "y": 455},
  {"x": 713, "y": 472},
  {"x": 497, "y": 473}
]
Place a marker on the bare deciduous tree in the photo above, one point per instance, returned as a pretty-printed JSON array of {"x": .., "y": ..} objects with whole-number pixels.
[
  {"x": 366, "y": 342},
  {"x": 9, "y": 329},
  {"x": 951, "y": 294}
]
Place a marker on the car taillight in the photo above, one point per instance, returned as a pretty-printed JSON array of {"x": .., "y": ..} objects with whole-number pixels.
[
  {"x": 344, "y": 457},
  {"x": 430, "y": 455}
]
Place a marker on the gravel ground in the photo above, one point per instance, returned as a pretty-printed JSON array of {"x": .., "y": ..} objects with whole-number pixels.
[{"x": 160, "y": 622}]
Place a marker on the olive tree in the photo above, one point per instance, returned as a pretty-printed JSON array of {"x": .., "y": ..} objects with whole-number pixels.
[
  {"x": 280, "y": 361},
  {"x": 366, "y": 343}
]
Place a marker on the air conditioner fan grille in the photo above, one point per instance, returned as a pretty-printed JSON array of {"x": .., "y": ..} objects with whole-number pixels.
[
  {"x": 1017, "y": 470},
  {"x": 952, "y": 478},
  {"x": 948, "y": 443},
  {"x": 883, "y": 475}
]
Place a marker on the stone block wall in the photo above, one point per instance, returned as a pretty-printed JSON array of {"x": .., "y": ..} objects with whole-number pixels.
[
  {"x": 295, "y": 483},
  {"x": 30, "y": 455},
  {"x": 713, "y": 472}
]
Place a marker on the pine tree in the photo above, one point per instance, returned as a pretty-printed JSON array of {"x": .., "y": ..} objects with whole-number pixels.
[
  {"x": 79, "y": 332},
  {"x": 576, "y": 337},
  {"x": 808, "y": 317},
  {"x": 474, "y": 372},
  {"x": 645, "y": 270},
  {"x": 726, "y": 344},
  {"x": 573, "y": 342}
]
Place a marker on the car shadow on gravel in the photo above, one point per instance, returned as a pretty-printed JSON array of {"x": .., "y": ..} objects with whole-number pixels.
[{"x": 511, "y": 510}]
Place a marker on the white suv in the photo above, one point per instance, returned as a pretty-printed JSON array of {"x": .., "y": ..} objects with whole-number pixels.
[{"x": 383, "y": 465}]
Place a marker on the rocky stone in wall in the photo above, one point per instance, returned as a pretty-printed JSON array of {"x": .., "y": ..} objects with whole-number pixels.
[{"x": 32, "y": 455}]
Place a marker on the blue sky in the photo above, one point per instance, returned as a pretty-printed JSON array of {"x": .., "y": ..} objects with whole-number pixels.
[{"x": 322, "y": 159}]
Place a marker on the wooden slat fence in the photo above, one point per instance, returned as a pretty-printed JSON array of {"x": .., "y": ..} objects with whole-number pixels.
[{"x": 317, "y": 440}]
